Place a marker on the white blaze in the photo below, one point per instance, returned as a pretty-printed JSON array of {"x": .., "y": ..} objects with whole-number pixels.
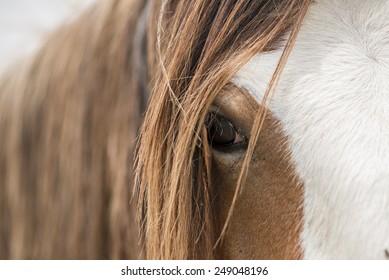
[{"x": 333, "y": 102}]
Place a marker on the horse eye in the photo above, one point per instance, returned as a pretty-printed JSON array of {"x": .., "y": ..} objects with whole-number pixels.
[{"x": 223, "y": 134}]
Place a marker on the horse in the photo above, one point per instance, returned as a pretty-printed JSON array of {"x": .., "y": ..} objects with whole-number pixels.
[{"x": 243, "y": 130}]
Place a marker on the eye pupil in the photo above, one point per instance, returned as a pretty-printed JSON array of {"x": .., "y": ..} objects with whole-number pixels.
[{"x": 221, "y": 132}]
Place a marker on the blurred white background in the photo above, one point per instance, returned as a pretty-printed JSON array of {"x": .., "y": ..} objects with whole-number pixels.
[{"x": 24, "y": 22}]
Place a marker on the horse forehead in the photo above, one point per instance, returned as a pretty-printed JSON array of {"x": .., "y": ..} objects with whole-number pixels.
[
  {"x": 361, "y": 27},
  {"x": 340, "y": 60},
  {"x": 342, "y": 55},
  {"x": 332, "y": 99}
]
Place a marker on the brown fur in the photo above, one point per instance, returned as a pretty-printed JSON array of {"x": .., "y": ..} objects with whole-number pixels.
[
  {"x": 69, "y": 119},
  {"x": 266, "y": 221}
]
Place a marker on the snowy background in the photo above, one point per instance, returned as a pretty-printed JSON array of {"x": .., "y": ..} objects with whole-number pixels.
[{"x": 24, "y": 22}]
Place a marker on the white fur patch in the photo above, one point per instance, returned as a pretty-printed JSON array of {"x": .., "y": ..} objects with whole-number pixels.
[{"x": 333, "y": 102}]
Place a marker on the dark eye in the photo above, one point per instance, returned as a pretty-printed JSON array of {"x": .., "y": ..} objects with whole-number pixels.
[{"x": 223, "y": 135}]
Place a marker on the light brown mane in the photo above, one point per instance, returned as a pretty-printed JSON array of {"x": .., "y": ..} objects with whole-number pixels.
[
  {"x": 69, "y": 120},
  {"x": 197, "y": 61},
  {"x": 68, "y": 123}
]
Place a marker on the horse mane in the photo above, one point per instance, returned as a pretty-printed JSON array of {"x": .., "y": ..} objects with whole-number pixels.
[
  {"x": 68, "y": 123},
  {"x": 202, "y": 44},
  {"x": 70, "y": 116}
]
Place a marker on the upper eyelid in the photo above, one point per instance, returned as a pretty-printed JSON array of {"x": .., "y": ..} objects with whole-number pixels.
[
  {"x": 215, "y": 109},
  {"x": 220, "y": 113},
  {"x": 229, "y": 102}
]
